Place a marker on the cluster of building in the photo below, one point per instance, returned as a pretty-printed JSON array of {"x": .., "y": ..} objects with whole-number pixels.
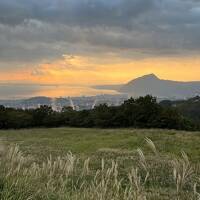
[{"x": 57, "y": 104}]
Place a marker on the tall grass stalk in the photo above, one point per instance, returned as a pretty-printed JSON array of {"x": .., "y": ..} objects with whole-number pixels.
[{"x": 70, "y": 178}]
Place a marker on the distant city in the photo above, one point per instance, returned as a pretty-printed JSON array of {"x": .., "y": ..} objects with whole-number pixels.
[{"x": 76, "y": 103}]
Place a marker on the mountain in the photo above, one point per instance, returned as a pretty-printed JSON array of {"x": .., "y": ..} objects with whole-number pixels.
[
  {"x": 151, "y": 84},
  {"x": 37, "y": 100}
]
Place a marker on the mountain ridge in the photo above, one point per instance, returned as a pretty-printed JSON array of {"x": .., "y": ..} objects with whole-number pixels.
[{"x": 153, "y": 85}]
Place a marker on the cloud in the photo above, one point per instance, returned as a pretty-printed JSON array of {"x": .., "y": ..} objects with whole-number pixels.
[
  {"x": 39, "y": 31},
  {"x": 79, "y": 12}
]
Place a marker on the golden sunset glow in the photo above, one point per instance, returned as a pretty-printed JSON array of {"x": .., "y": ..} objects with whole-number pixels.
[
  {"x": 74, "y": 75},
  {"x": 89, "y": 71}
]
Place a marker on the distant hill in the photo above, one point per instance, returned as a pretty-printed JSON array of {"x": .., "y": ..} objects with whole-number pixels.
[
  {"x": 151, "y": 84},
  {"x": 38, "y": 100},
  {"x": 164, "y": 89}
]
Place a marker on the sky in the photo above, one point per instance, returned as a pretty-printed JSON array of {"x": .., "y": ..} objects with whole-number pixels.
[{"x": 62, "y": 47}]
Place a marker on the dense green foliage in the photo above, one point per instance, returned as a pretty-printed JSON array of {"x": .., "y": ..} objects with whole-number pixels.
[
  {"x": 143, "y": 112},
  {"x": 189, "y": 108}
]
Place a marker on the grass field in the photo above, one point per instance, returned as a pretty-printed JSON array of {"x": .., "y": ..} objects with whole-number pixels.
[
  {"x": 87, "y": 142},
  {"x": 126, "y": 172}
]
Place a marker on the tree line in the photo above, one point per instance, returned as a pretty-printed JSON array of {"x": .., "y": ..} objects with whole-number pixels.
[
  {"x": 189, "y": 108},
  {"x": 142, "y": 112}
]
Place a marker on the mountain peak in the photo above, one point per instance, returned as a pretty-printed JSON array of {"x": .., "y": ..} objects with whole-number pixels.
[
  {"x": 149, "y": 77},
  {"x": 145, "y": 78}
]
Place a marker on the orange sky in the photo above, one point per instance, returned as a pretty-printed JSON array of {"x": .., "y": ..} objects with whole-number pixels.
[
  {"x": 79, "y": 70},
  {"x": 75, "y": 74}
]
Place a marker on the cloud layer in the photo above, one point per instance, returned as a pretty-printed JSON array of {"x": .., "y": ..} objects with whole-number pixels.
[{"x": 32, "y": 30}]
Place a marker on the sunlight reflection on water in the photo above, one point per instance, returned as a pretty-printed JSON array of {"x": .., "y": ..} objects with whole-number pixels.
[{"x": 16, "y": 91}]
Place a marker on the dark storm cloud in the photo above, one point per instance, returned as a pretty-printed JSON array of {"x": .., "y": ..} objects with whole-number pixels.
[
  {"x": 74, "y": 12},
  {"x": 32, "y": 30}
]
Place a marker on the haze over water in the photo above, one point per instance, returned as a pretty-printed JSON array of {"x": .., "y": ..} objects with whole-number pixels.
[{"x": 22, "y": 91}]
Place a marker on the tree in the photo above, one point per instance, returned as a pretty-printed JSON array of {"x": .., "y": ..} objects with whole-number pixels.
[
  {"x": 3, "y": 118},
  {"x": 40, "y": 114},
  {"x": 102, "y": 116}
]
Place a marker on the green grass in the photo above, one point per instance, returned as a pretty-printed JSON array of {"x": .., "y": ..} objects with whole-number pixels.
[
  {"x": 88, "y": 142},
  {"x": 22, "y": 178}
]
